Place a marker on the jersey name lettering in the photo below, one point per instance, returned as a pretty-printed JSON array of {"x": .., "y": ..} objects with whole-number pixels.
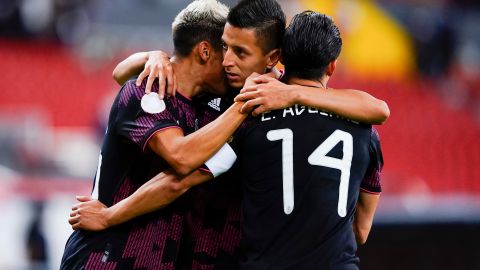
[{"x": 297, "y": 110}]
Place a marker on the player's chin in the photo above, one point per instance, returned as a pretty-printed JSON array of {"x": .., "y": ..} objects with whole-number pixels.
[
  {"x": 219, "y": 91},
  {"x": 236, "y": 83}
]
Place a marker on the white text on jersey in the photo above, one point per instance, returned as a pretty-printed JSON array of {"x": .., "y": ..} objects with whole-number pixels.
[{"x": 297, "y": 110}]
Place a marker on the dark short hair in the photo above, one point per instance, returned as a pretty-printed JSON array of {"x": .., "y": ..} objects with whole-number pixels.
[
  {"x": 266, "y": 17},
  {"x": 311, "y": 42},
  {"x": 201, "y": 20}
]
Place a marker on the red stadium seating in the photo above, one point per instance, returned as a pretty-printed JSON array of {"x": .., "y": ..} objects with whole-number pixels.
[
  {"x": 49, "y": 76},
  {"x": 427, "y": 145}
]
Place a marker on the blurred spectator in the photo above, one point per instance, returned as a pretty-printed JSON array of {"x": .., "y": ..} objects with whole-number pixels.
[
  {"x": 435, "y": 40},
  {"x": 36, "y": 244}
]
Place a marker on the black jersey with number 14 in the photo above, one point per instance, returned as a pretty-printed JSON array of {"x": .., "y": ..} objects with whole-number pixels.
[{"x": 302, "y": 171}]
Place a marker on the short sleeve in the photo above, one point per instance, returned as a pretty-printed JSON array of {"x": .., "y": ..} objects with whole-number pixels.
[
  {"x": 371, "y": 183},
  {"x": 136, "y": 125},
  {"x": 234, "y": 143}
]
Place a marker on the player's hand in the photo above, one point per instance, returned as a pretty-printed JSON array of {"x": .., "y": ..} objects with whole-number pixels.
[
  {"x": 158, "y": 66},
  {"x": 256, "y": 78},
  {"x": 88, "y": 215},
  {"x": 250, "y": 81},
  {"x": 265, "y": 93}
]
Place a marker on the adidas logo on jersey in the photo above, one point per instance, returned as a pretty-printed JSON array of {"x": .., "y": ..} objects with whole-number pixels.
[{"x": 215, "y": 103}]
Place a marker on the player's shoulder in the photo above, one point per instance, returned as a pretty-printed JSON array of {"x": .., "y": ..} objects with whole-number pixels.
[{"x": 130, "y": 88}]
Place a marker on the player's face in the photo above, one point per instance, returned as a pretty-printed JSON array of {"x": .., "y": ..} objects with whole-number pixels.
[
  {"x": 215, "y": 74},
  {"x": 242, "y": 55}
]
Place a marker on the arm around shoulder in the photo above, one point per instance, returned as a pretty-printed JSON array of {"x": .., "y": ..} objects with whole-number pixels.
[
  {"x": 270, "y": 94},
  {"x": 129, "y": 67},
  {"x": 353, "y": 104},
  {"x": 154, "y": 65}
]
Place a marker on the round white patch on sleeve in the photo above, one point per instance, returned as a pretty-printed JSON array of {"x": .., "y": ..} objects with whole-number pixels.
[{"x": 151, "y": 103}]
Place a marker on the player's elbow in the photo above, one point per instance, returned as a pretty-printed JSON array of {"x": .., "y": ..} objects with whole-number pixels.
[
  {"x": 183, "y": 170},
  {"x": 362, "y": 238},
  {"x": 177, "y": 188},
  {"x": 117, "y": 76},
  {"x": 181, "y": 164},
  {"x": 361, "y": 233},
  {"x": 382, "y": 111}
]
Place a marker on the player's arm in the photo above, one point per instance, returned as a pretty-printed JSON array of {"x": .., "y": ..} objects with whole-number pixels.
[
  {"x": 187, "y": 153},
  {"x": 155, "y": 194},
  {"x": 362, "y": 223},
  {"x": 154, "y": 64},
  {"x": 370, "y": 189},
  {"x": 270, "y": 94}
]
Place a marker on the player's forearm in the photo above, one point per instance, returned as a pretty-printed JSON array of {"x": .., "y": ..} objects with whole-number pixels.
[
  {"x": 352, "y": 104},
  {"x": 190, "y": 152},
  {"x": 129, "y": 67},
  {"x": 362, "y": 223},
  {"x": 361, "y": 234},
  {"x": 154, "y": 195}
]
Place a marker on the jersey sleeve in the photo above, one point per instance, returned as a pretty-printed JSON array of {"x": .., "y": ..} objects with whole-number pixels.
[
  {"x": 371, "y": 183},
  {"x": 234, "y": 143},
  {"x": 136, "y": 125},
  {"x": 226, "y": 157}
]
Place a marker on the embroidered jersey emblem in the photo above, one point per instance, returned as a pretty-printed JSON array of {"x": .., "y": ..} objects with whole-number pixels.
[{"x": 215, "y": 103}]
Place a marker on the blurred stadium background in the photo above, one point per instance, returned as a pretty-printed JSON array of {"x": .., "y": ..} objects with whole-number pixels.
[{"x": 421, "y": 56}]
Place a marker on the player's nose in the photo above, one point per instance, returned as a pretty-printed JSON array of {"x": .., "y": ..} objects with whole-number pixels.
[{"x": 228, "y": 59}]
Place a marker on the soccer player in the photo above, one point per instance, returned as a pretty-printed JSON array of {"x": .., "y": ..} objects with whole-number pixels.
[
  {"x": 252, "y": 39},
  {"x": 303, "y": 169},
  {"x": 260, "y": 21},
  {"x": 143, "y": 140}
]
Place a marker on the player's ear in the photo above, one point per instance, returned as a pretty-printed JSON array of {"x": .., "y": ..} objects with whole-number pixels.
[
  {"x": 331, "y": 67},
  {"x": 273, "y": 57},
  {"x": 204, "y": 51}
]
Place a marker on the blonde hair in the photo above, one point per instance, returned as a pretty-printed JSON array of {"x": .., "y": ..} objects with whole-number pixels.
[
  {"x": 201, "y": 20},
  {"x": 202, "y": 10}
]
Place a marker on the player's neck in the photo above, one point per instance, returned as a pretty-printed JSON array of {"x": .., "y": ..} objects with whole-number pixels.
[
  {"x": 322, "y": 83},
  {"x": 188, "y": 76}
]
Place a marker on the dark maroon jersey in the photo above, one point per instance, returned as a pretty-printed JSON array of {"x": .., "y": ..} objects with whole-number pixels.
[
  {"x": 212, "y": 235},
  {"x": 151, "y": 241}
]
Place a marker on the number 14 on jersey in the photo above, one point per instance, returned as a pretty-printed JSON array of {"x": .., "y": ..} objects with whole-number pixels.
[{"x": 317, "y": 158}]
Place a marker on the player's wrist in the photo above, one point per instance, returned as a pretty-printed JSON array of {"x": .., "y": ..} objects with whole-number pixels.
[
  {"x": 238, "y": 107},
  {"x": 294, "y": 96},
  {"x": 109, "y": 218},
  {"x": 157, "y": 55}
]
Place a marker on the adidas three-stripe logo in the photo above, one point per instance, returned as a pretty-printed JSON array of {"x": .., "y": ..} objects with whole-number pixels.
[{"x": 215, "y": 103}]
